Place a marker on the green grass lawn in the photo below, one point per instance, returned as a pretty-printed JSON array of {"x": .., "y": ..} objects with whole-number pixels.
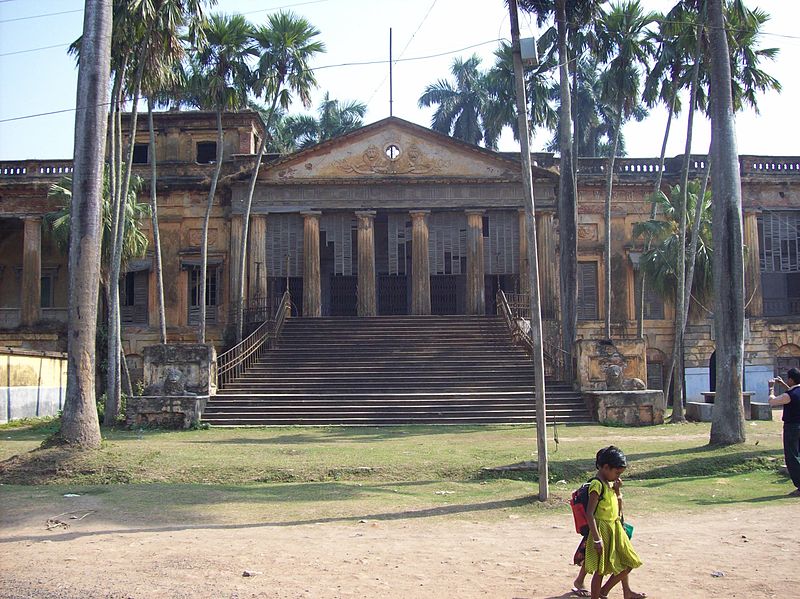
[{"x": 318, "y": 473}]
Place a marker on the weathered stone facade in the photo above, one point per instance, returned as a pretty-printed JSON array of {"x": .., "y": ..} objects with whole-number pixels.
[{"x": 392, "y": 218}]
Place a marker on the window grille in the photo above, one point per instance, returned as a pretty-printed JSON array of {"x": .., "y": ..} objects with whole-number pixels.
[
  {"x": 284, "y": 238},
  {"x": 779, "y": 241},
  {"x": 588, "y": 301}
]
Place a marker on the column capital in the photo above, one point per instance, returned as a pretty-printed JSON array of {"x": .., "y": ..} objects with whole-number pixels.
[
  {"x": 365, "y": 213},
  {"x": 474, "y": 212},
  {"x": 419, "y": 214},
  {"x": 308, "y": 214}
]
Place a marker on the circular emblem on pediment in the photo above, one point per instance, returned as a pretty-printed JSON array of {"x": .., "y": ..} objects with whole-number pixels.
[{"x": 392, "y": 151}]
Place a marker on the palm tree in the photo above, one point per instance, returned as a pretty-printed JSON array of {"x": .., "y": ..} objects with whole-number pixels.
[
  {"x": 79, "y": 425},
  {"x": 286, "y": 44},
  {"x": 728, "y": 418},
  {"x": 135, "y": 243},
  {"x": 334, "y": 118},
  {"x": 162, "y": 77},
  {"x": 461, "y": 107},
  {"x": 661, "y": 262},
  {"x": 501, "y": 110},
  {"x": 220, "y": 79},
  {"x": 665, "y": 80},
  {"x": 623, "y": 37}
]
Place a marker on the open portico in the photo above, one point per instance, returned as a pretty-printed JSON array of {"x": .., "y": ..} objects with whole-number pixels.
[{"x": 390, "y": 219}]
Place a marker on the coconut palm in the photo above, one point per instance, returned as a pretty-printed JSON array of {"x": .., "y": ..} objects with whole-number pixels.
[
  {"x": 461, "y": 106},
  {"x": 623, "y": 39},
  {"x": 286, "y": 45},
  {"x": 219, "y": 80},
  {"x": 333, "y": 118}
]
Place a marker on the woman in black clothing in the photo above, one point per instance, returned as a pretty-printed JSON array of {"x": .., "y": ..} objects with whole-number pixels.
[{"x": 791, "y": 423}]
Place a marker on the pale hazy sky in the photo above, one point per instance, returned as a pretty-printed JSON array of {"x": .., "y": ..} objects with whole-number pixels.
[{"x": 43, "y": 80}]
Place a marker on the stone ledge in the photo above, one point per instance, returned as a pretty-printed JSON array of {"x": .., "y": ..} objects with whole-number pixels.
[
  {"x": 635, "y": 408},
  {"x": 699, "y": 411},
  {"x": 179, "y": 411}
]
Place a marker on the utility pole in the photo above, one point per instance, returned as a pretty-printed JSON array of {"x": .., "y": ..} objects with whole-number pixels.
[
  {"x": 391, "y": 90},
  {"x": 533, "y": 259}
]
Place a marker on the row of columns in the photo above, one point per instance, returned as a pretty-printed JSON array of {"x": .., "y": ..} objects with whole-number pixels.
[
  {"x": 420, "y": 263},
  {"x": 420, "y": 270}
]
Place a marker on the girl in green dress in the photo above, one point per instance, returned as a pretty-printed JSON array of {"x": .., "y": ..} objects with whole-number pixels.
[{"x": 608, "y": 550}]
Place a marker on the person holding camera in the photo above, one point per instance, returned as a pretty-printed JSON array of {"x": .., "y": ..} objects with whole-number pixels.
[{"x": 791, "y": 423}]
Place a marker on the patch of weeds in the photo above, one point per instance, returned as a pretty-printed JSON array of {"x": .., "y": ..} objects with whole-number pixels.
[
  {"x": 45, "y": 425},
  {"x": 277, "y": 476}
]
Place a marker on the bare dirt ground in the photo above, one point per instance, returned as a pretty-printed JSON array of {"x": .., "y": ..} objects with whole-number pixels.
[{"x": 723, "y": 552}]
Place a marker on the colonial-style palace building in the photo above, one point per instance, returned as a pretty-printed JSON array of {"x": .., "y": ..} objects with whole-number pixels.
[{"x": 391, "y": 219}]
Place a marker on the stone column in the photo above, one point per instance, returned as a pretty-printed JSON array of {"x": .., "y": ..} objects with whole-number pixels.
[
  {"x": 237, "y": 226},
  {"x": 752, "y": 267},
  {"x": 312, "y": 292},
  {"x": 524, "y": 277},
  {"x": 476, "y": 290},
  {"x": 367, "y": 299},
  {"x": 420, "y": 264},
  {"x": 257, "y": 258},
  {"x": 547, "y": 262},
  {"x": 31, "y": 295}
]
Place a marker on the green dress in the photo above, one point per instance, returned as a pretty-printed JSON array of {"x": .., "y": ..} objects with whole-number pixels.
[{"x": 618, "y": 553}]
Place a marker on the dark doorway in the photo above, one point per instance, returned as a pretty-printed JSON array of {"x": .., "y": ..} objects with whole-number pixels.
[
  {"x": 448, "y": 294},
  {"x": 392, "y": 266}
]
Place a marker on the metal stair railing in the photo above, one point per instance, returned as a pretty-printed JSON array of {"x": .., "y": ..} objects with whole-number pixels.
[
  {"x": 516, "y": 307},
  {"x": 242, "y": 356}
]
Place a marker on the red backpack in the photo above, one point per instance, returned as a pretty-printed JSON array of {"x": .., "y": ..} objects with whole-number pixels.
[{"x": 579, "y": 502}]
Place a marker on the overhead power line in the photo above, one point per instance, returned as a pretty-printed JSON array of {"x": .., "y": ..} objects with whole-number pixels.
[{"x": 49, "y": 14}]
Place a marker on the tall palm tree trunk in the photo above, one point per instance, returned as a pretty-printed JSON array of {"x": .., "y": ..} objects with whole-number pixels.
[
  {"x": 607, "y": 212},
  {"x": 653, "y": 214},
  {"x": 728, "y": 415},
  {"x": 246, "y": 226},
  {"x": 567, "y": 202},
  {"x": 162, "y": 318},
  {"x": 201, "y": 292},
  {"x": 114, "y": 387},
  {"x": 675, "y": 370},
  {"x": 79, "y": 424}
]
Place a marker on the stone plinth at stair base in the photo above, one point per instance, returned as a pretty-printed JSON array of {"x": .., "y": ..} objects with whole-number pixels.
[
  {"x": 635, "y": 408},
  {"x": 698, "y": 411},
  {"x": 195, "y": 362},
  {"x": 177, "y": 411}
]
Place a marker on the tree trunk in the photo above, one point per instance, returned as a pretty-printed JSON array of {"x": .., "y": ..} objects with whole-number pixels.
[
  {"x": 245, "y": 231},
  {"x": 113, "y": 391},
  {"x": 201, "y": 292},
  {"x": 533, "y": 262},
  {"x": 653, "y": 214},
  {"x": 728, "y": 416},
  {"x": 567, "y": 203},
  {"x": 79, "y": 423},
  {"x": 680, "y": 295},
  {"x": 162, "y": 317},
  {"x": 607, "y": 212}
]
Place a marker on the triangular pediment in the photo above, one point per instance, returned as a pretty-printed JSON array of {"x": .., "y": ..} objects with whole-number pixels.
[{"x": 392, "y": 149}]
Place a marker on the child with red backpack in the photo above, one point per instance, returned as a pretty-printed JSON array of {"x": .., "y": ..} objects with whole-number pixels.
[{"x": 605, "y": 549}]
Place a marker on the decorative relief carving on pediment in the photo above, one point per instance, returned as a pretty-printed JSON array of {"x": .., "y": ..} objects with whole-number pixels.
[
  {"x": 588, "y": 232},
  {"x": 393, "y": 160}
]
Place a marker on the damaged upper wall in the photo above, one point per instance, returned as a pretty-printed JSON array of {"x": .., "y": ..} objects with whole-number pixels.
[{"x": 393, "y": 164}]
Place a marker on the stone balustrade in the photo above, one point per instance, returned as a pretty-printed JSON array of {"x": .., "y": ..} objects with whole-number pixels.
[{"x": 35, "y": 168}]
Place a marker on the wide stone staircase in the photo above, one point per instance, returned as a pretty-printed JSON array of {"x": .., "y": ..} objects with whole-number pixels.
[{"x": 391, "y": 370}]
